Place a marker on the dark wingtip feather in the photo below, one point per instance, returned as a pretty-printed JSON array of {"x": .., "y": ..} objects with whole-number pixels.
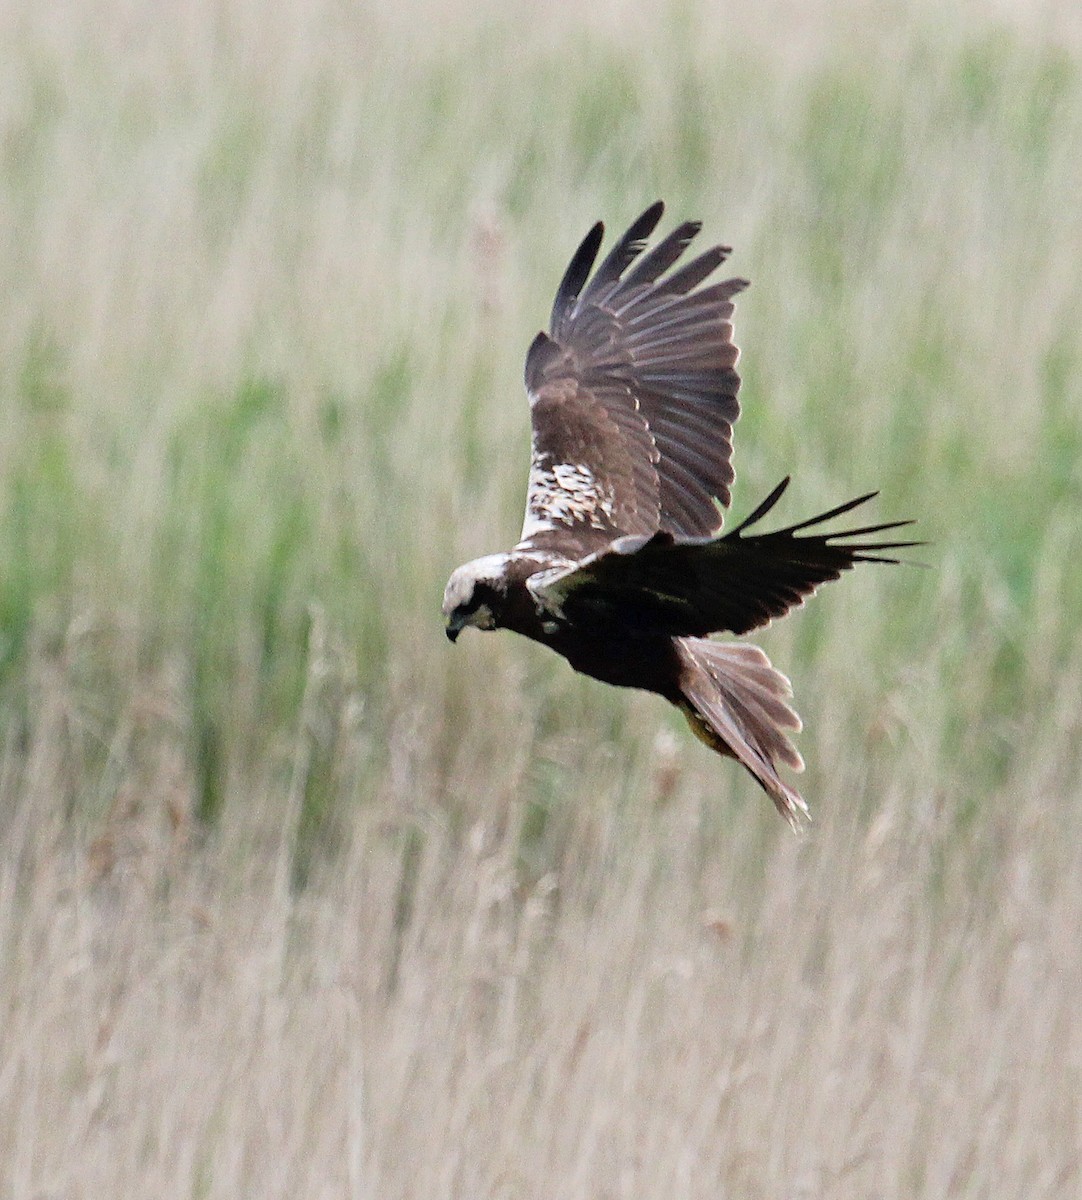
[
  {"x": 838, "y": 549},
  {"x": 649, "y": 218},
  {"x": 626, "y": 250},
  {"x": 883, "y": 558},
  {"x": 869, "y": 551},
  {"x": 848, "y": 506},
  {"x": 760, "y": 512},
  {"x": 663, "y": 255},
  {"x": 864, "y": 530},
  {"x": 681, "y": 282},
  {"x": 578, "y": 271}
]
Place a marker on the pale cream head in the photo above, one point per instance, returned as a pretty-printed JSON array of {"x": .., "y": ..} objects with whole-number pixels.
[{"x": 470, "y": 592}]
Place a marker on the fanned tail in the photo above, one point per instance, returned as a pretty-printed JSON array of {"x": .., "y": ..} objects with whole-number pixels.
[{"x": 735, "y": 702}]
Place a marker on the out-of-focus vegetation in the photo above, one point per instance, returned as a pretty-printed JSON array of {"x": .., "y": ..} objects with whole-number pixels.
[{"x": 270, "y": 274}]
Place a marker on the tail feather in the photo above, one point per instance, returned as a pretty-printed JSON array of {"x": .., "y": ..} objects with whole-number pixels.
[{"x": 735, "y": 701}]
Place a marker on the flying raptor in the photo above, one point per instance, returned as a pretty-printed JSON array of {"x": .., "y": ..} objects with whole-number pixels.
[{"x": 621, "y": 566}]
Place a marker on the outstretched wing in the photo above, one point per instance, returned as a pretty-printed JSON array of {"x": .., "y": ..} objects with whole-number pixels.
[
  {"x": 735, "y": 583},
  {"x": 633, "y": 394}
]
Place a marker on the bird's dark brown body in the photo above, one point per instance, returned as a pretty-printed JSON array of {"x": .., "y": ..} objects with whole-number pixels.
[
  {"x": 621, "y": 568},
  {"x": 614, "y": 655}
]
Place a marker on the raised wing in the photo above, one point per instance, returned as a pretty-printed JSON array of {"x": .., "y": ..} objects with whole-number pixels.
[
  {"x": 633, "y": 396},
  {"x": 689, "y": 589}
]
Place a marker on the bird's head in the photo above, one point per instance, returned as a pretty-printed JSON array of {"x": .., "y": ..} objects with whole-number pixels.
[{"x": 475, "y": 594}]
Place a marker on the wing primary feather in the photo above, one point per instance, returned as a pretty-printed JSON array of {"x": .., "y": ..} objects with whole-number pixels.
[
  {"x": 649, "y": 307},
  {"x": 710, "y": 328},
  {"x": 578, "y": 271},
  {"x": 848, "y": 506},
  {"x": 682, "y": 281},
  {"x": 865, "y": 530},
  {"x": 760, "y": 512},
  {"x": 883, "y": 558},
  {"x": 663, "y": 255},
  {"x": 626, "y": 250}
]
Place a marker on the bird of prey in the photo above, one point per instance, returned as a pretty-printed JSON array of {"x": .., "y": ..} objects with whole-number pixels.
[{"x": 621, "y": 566}]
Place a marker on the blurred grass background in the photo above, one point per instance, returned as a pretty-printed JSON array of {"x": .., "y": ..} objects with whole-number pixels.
[{"x": 270, "y": 274}]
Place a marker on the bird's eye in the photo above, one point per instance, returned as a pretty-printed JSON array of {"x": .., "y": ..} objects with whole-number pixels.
[{"x": 478, "y": 599}]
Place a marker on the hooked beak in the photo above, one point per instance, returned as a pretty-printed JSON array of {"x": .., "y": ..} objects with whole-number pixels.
[{"x": 455, "y": 625}]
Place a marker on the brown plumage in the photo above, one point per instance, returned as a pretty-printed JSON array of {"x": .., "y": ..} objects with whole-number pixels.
[{"x": 633, "y": 398}]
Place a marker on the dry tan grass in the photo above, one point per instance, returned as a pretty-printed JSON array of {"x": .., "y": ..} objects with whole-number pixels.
[
  {"x": 548, "y": 946},
  {"x": 885, "y": 1009}
]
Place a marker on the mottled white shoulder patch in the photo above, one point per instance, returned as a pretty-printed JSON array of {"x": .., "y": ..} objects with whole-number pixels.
[
  {"x": 565, "y": 494},
  {"x": 490, "y": 566}
]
